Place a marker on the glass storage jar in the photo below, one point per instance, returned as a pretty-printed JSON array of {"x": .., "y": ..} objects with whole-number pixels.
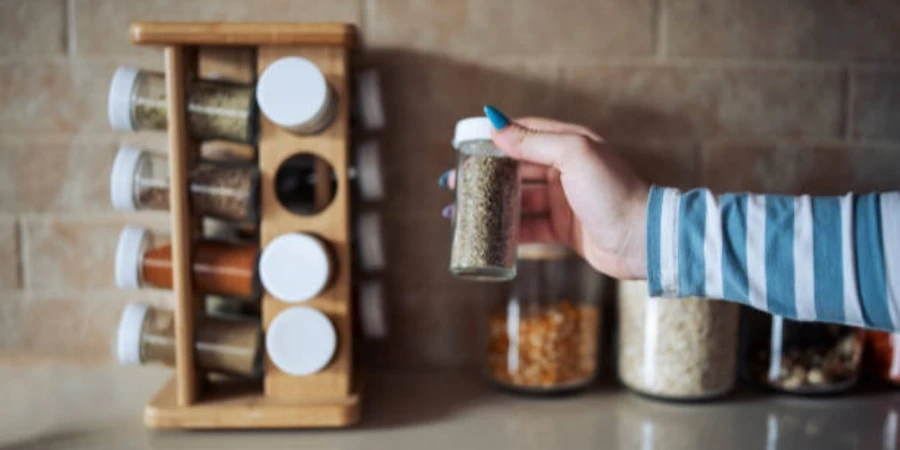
[
  {"x": 226, "y": 346},
  {"x": 883, "y": 355},
  {"x": 293, "y": 93},
  {"x": 215, "y": 109},
  {"x": 803, "y": 357},
  {"x": 676, "y": 349},
  {"x": 486, "y": 219},
  {"x": 545, "y": 337},
  {"x": 228, "y": 191}
]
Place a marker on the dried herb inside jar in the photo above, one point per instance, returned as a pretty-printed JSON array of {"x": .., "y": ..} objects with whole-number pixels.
[{"x": 224, "y": 192}]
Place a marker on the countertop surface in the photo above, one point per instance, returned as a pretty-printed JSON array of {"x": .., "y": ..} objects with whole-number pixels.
[{"x": 54, "y": 407}]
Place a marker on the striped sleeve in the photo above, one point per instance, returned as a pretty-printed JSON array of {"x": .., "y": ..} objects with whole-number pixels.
[{"x": 827, "y": 259}]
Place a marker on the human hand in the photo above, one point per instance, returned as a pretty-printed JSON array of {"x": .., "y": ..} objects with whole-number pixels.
[{"x": 576, "y": 190}]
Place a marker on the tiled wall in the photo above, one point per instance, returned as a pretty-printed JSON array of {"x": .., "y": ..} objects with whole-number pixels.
[{"x": 799, "y": 96}]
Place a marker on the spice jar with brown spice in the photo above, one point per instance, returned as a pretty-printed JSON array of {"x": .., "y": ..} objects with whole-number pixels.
[
  {"x": 215, "y": 109},
  {"x": 805, "y": 358},
  {"x": 231, "y": 346},
  {"x": 221, "y": 190},
  {"x": 545, "y": 337}
]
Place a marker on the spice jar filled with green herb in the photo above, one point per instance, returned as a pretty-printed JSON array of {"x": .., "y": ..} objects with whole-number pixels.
[
  {"x": 486, "y": 219},
  {"x": 215, "y": 109},
  {"x": 223, "y": 190}
]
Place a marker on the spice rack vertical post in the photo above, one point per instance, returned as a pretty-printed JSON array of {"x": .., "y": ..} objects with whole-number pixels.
[{"x": 330, "y": 397}]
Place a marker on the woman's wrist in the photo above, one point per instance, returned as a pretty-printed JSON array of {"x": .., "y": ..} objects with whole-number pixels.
[{"x": 634, "y": 253}]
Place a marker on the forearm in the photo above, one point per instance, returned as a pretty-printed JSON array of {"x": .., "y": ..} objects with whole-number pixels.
[{"x": 830, "y": 259}]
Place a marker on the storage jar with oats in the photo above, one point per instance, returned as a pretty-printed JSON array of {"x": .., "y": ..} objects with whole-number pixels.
[
  {"x": 215, "y": 109},
  {"x": 545, "y": 337},
  {"x": 221, "y": 190},
  {"x": 224, "y": 346},
  {"x": 676, "y": 348},
  {"x": 486, "y": 219}
]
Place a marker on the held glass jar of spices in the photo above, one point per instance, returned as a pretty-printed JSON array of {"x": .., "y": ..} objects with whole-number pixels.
[
  {"x": 218, "y": 267},
  {"x": 293, "y": 93},
  {"x": 544, "y": 338},
  {"x": 215, "y": 109},
  {"x": 883, "y": 355},
  {"x": 676, "y": 349},
  {"x": 803, "y": 357},
  {"x": 228, "y": 191},
  {"x": 486, "y": 219},
  {"x": 225, "y": 346}
]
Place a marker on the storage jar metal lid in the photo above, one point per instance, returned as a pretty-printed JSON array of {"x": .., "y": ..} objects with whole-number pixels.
[
  {"x": 301, "y": 341},
  {"x": 292, "y": 92},
  {"x": 119, "y": 100},
  {"x": 472, "y": 129},
  {"x": 129, "y": 255},
  {"x": 121, "y": 178},
  {"x": 128, "y": 337},
  {"x": 372, "y": 314},
  {"x": 367, "y": 171},
  {"x": 294, "y": 267},
  {"x": 369, "y": 239},
  {"x": 542, "y": 250},
  {"x": 369, "y": 103}
]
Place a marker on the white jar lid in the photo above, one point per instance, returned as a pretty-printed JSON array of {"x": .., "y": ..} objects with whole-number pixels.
[
  {"x": 301, "y": 341},
  {"x": 129, "y": 255},
  {"x": 369, "y": 103},
  {"x": 370, "y": 242},
  {"x": 472, "y": 129},
  {"x": 119, "y": 101},
  {"x": 372, "y": 314},
  {"x": 369, "y": 177},
  {"x": 294, "y": 267},
  {"x": 128, "y": 338},
  {"x": 292, "y": 92},
  {"x": 121, "y": 178}
]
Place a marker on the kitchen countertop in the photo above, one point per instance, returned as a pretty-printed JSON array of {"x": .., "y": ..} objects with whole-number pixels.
[{"x": 62, "y": 407}]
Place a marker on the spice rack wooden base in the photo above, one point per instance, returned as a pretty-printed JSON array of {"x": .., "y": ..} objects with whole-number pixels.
[
  {"x": 330, "y": 397},
  {"x": 241, "y": 405}
]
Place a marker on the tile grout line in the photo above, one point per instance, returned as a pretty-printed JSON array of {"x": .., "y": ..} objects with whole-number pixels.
[
  {"x": 22, "y": 243},
  {"x": 661, "y": 30},
  {"x": 849, "y": 97},
  {"x": 70, "y": 28}
]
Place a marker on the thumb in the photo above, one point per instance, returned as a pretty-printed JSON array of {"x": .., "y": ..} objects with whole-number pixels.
[{"x": 560, "y": 150}]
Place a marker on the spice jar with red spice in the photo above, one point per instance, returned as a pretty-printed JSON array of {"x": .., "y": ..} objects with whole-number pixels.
[
  {"x": 883, "y": 355},
  {"x": 544, "y": 338}
]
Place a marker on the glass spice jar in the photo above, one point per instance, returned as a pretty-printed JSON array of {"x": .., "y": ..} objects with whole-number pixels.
[
  {"x": 215, "y": 109},
  {"x": 803, "y": 358},
  {"x": 228, "y": 191},
  {"x": 883, "y": 355},
  {"x": 218, "y": 267},
  {"x": 545, "y": 337},
  {"x": 293, "y": 93},
  {"x": 676, "y": 349},
  {"x": 486, "y": 219},
  {"x": 225, "y": 346}
]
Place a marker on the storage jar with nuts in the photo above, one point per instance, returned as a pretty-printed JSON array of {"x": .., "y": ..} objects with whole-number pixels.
[{"x": 544, "y": 337}]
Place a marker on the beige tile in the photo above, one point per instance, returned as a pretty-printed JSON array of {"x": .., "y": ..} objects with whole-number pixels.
[
  {"x": 10, "y": 265},
  {"x": 76, "y": 329},
  {"x": 63, "y": 254},
  {"x": 820, "y": 29},
  {"x": 11, "y": 321},
  {"x": 665, "y": 163},
  {"x": 56, "y": 174},
  {"x": 635, "y": 101},
  {"x": 101, "y": 26},
  {"x": 488, "y": 28},
  {"x": 32, "y": 27},
  {"x": 795, "y": 168},
  {"x": 875, "y": 109}
]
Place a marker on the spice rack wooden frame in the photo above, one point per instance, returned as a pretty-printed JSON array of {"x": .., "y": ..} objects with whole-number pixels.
[{"x": 331, "y": 397}]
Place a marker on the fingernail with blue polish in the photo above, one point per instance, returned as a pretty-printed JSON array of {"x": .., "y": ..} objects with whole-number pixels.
[
  {"x": 497, "y": 118},
  {"x": 445, "y": 177},
  {"x": 447, "y": 212}
]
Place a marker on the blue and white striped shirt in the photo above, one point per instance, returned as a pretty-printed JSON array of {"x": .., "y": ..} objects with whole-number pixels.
[{"x": 828, "y": 259}]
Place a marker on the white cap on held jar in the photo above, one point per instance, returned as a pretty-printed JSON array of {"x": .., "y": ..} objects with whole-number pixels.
[
  {"x": 129, "y": 255},
  {"x": 119, "y": 101},
  {"x": 294, "y": 267},
  {"x": 121, "y": 178},
  {"x": 293, "y": 93},
  {"x": 301, "y": 341},
  {"x": 128, "y": 339},
  {"x": 472, "y": 129}
]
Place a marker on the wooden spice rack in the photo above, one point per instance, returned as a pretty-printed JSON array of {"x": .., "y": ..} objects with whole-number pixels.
[{"x": 329, "y": 398}]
